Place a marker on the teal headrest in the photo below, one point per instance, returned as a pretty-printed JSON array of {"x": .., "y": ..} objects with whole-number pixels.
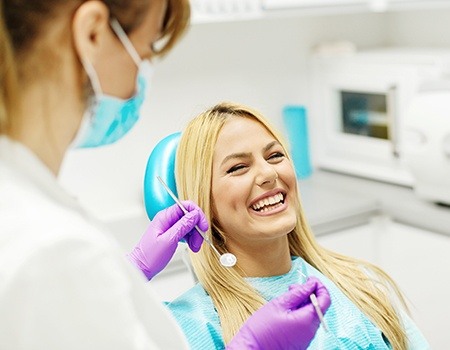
[{"x": 161, "y": 162}]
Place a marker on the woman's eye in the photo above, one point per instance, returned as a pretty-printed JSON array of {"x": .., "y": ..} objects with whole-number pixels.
[
  {"x": 276, "y": 155},
  {"x": 235, "y": 168}
]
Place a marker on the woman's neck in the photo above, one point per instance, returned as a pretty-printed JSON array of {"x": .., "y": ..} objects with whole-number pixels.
[{"x": 263, "y": 260}]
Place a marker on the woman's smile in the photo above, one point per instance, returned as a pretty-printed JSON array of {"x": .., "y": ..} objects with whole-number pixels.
[{"x": 270, "y": 203}]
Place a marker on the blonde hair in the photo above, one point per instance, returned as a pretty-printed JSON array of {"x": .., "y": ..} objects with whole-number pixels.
[
  {"x": 8, "y": 75},
  {"x": 22, "y": 24},
  {"x": 234, "y": 298}
]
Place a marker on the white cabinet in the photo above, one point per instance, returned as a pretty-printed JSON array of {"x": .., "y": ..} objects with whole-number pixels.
[
  {"x": 359, "y": 242},
  {"x": 418, "y": 260},
  {"x": 206, "y": 11},
  {"x": 377, "y": 5}
]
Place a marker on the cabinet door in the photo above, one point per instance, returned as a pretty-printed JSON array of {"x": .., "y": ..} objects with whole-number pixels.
[
  {"x": 419, "y": 261},
  {"x": 359, "y": 242}
]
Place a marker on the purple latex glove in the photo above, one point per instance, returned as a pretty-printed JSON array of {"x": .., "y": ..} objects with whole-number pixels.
[
  {"x": 158, "y": 244},
  {"x": 287, "y": 322}
]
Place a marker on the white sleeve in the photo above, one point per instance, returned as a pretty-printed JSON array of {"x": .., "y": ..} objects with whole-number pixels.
[{"x": 76, "y": 295}]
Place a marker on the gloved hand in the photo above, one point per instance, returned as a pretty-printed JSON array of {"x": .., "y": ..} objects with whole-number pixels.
[
  {"x": 158, "y": 244},
  {"x": 286, "y": 322}
]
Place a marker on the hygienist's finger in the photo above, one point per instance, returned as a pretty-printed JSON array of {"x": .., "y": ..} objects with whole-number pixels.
[
  {"x": 323, "y": 297},
  {"x": 165, "y": 218},
  {"x": 202, "y": 223},
  {"x": 194, "y": 240},
  {"x": 183, "y": 226}
]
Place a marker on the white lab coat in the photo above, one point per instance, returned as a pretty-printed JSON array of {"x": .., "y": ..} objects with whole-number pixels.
[{"x": 64, "y": 282}]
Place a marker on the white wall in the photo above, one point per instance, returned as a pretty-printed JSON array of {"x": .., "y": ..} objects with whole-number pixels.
[
  {"x": 261, "y": 63},
  {"x": 428, "y": 28}
]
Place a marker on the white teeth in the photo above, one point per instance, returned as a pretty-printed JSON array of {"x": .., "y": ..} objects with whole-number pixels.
[{"x": 268, "y": 201}]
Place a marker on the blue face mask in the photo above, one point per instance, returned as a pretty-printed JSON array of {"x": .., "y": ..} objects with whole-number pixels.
[{"x": 109, "y": 118}]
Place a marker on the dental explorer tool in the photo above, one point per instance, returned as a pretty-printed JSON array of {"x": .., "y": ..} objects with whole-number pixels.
[
  {"x": 315, "y": 303},
  {"x": 226, "y": 259}
]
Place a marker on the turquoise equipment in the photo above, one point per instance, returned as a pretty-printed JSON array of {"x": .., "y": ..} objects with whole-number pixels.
[
  {"x": 295, "y": 121},
  {"x": 161, "y": 162}
]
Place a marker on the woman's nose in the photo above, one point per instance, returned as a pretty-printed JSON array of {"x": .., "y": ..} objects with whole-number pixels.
[{"x": 267, "y": 175}]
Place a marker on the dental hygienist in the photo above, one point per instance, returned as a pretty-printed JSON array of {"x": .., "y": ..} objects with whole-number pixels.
[{"x": 73, "y": 74}]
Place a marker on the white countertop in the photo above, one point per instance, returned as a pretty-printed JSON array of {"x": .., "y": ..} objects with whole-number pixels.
[
  {"x": 328, "y": 207},
  {"x": 332, "y": 201}
]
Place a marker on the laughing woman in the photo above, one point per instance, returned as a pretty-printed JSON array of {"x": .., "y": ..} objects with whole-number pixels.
[{"x": 237, "y": 168}]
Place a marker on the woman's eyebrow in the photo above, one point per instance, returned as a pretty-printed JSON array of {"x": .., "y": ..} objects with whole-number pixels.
[
  {"x": 270, "y": 145},
  {"x": 236, "y": 155}
]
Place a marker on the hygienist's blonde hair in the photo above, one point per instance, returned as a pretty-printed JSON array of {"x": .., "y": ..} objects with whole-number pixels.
[{"x": 234, "y": 299}]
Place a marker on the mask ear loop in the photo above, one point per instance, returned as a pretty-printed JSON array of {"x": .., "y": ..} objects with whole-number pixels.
[
  {"x": 92, "y": 74},
  {"x": 123, "y": 37},
  {"x": 87, "y": 118}
]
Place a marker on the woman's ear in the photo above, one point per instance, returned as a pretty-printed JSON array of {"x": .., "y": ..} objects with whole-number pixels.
[{"x": 90, "y": 25}]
